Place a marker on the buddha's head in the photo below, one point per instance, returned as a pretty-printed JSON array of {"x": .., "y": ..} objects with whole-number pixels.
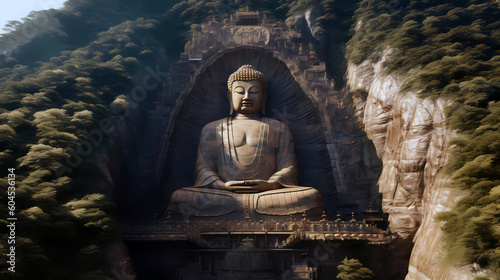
[{"x": 247, "y": 91}]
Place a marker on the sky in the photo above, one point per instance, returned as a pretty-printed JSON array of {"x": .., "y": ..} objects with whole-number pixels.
[{"x": 17, "y": 9}]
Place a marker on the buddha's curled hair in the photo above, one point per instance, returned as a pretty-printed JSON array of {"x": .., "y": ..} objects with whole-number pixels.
[{"x": 247, "y": 73}]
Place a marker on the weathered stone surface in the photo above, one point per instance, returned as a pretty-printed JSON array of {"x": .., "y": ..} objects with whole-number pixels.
[
  {"x": 410, "y": 137},
  {"x": 426, "y": 261},
  {"x": 314, "y": 28},
  {"x": 427, "y": 258},
  {"x": 121, "y": 264}
]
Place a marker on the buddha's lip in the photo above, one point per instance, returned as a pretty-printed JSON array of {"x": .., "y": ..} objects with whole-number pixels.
[{"x": 246, "y": 103}]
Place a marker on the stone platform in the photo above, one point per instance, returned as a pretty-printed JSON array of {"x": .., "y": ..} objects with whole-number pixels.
[{"x": 267, "y": 250}]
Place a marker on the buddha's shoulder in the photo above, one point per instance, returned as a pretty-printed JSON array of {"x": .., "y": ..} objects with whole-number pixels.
[
  {"x": 212, "y": 126},
  {"x": 276, "y": 124},
  {"x": 216, "y": 125}
]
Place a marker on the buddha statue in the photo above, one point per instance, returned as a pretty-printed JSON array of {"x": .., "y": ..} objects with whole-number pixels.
[{"x": 246, "y": 165}]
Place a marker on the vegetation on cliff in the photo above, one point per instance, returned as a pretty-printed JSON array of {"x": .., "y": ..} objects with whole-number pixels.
[
  {"x": 57, "y": 122},
  {"x": 449, "y": 50}
]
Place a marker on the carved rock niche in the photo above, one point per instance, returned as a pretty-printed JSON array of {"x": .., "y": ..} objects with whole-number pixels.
[{"x": 206, "y": 100}]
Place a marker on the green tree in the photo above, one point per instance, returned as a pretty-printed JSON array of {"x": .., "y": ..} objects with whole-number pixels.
[{"x": 352, "y": 269}]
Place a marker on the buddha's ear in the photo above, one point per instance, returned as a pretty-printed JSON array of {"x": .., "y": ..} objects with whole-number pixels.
[{"x": 231, "y": 111}]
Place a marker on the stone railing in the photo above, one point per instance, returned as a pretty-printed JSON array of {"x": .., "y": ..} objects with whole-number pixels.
[
  {"x": 269, "y": 226},
  {"x": 298, "y": 230}
]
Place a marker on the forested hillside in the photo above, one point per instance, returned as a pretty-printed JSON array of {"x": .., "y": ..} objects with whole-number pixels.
[
  {"x": 82, "y": 67},
  {"x": 48, "y": 112}
]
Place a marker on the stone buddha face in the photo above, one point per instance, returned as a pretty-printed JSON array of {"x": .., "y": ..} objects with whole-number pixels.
[
  {"x": 247, "y": 97},
  {"x": 247, "y": 91}
]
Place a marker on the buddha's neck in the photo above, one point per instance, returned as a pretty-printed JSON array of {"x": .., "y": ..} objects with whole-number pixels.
[{"x": 239, "y": 116}]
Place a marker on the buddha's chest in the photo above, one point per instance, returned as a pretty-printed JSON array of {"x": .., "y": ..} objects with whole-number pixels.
[
  {"x": 249, "y": 137},
  {"x": 245, "y": 136}
]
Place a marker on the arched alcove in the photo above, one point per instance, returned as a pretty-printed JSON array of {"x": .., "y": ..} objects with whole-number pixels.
[{"x": 207, "y": 101}]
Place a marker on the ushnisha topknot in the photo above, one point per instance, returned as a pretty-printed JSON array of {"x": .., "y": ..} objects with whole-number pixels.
[{"x": 247, "y": 73}]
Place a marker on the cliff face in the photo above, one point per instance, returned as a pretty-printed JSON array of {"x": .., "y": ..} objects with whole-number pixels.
[{"x": 411, "y": 139}]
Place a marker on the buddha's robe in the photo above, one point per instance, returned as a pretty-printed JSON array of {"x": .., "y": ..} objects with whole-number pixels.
[{"x": 274, "y": 159}]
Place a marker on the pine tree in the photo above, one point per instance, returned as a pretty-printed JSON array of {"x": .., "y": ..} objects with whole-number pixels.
[{"x": 352, "y": 269}]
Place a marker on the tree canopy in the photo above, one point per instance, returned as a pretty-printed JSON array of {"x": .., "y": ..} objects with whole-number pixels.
[{"x": 352, "y": 269}]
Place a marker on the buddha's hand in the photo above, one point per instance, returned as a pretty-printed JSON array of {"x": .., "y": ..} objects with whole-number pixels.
[{"x": 251, "y": 186}]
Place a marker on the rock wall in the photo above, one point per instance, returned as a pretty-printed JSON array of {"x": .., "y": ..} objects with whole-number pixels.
[{"x": 411, "y": 139}]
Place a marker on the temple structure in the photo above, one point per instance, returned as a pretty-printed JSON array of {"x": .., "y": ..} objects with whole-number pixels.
[
  {"x": 327, "y": 143},
  {"x": 265, "y": 249}
]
